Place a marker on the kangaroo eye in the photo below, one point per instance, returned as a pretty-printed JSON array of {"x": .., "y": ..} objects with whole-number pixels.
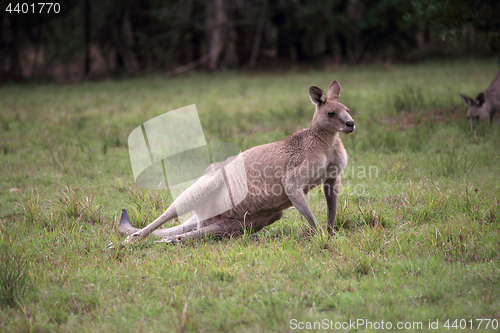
[{"x": 331, "y": 114}]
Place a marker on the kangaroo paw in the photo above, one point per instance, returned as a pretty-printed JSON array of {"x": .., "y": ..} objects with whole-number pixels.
[
  {"x": 134, "y": 238},
  {"x": 169, "y": 241}
]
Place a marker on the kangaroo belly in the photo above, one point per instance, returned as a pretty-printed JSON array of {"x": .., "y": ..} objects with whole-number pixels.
[{"x": 261, "y": 200}]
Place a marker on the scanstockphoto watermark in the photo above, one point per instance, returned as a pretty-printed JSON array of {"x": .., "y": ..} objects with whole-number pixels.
[
  {"x": 365, "y": 324},
  {"x": 262, "y": 178},
  {"x": 170, "y": 152},
  {"x": 357, "y": 324}
]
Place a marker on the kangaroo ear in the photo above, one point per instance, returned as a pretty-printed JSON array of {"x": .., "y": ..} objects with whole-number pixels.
[
  {"x": 467, "y": 100},
  {"x": 480, "y": 99},
  {"x": 317, "y": 95},
  {"x": 334, "y": 91}
]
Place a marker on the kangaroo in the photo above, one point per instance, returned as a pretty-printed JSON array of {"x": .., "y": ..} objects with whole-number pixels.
[
  {"x": 278, "y": 176},
  {"x": 486, "y": 104}
]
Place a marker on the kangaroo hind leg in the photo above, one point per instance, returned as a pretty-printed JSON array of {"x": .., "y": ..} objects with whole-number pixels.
[
  {"x": 222, "y": 227},
  {"x": 192, "y": 199}
]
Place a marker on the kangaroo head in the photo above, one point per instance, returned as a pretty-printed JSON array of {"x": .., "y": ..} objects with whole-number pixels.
[
  {"x": 330, "y": 115},
  {"x": 476, "y": 107}
]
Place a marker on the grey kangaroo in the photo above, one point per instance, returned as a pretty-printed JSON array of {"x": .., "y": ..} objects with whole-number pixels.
[
  {"x": 486, "y": 104},
  {"x": 273, "y": 177}
]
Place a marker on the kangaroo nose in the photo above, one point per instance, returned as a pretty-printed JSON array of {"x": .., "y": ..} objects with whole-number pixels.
[{"x": 349, "y": 124}]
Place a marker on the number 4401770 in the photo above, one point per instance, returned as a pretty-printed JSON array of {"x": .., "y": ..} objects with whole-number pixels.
[
  {"x": 478, "y": 324},
  {"x": 33, "y": 8}
]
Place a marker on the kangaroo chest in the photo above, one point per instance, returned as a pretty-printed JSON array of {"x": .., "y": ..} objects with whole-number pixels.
[
  {"x": 335, "y": 162},
  {"x": 331, "y": 166}
]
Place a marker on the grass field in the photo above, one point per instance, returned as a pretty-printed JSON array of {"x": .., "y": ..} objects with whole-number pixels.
[{"x": 418, "y": 221}]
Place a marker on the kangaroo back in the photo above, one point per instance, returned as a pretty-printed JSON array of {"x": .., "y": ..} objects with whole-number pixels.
[{"x": 492, "y": 94}]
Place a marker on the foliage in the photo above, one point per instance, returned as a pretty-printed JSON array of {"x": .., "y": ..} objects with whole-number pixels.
[
  {"x": 129, "y": 37},
  {"x": 449, "y": 17}
]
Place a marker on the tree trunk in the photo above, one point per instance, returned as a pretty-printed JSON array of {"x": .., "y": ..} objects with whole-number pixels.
[
  {"x": 86, "y": 20},
  {"x": 258, "y": 35},
  {"x": 10, "y": 66},
  {"x": 216, "y": 19},
  {"x": 354, "y": 44}
]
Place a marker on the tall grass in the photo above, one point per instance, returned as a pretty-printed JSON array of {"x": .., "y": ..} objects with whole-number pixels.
[{"x": 13, "y": 277}]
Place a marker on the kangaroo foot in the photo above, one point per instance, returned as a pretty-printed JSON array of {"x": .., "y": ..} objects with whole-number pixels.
[{"x": 134, "y": 238}]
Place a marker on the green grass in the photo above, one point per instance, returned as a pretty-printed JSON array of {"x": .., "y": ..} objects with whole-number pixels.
[{"x": 418, "y": 218}]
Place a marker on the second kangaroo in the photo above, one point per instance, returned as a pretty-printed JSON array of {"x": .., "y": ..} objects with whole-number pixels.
[
  {"x": 275, "y": 176},
  {"x": 486, "y": 104}
]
